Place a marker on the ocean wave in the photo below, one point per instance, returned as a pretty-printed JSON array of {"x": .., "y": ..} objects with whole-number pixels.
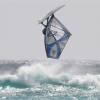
[
  {"x": 48, "y": 73},
  {"x": 49, "y": 81}
]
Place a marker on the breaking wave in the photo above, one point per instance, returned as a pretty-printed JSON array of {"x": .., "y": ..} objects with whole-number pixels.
[
  {"x": 51, "y": 79},
  {"x": 47, "y": 73}
]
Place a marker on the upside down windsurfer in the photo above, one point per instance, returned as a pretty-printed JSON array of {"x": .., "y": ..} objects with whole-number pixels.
[{"x": 44, "y": 30}]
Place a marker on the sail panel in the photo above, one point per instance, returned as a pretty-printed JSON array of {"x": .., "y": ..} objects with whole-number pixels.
[{"x": 56, "y": 38}]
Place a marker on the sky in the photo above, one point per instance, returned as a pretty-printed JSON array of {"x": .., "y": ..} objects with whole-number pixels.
[{"x": 21, "y": 37}]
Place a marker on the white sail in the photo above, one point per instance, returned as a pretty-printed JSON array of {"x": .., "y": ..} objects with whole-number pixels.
[{"x": 56, "y": 38}]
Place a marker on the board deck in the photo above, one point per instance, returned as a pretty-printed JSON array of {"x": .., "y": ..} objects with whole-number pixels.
[{"x": 50, "y": 13}]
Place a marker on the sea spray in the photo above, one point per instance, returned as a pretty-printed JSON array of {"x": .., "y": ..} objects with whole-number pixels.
[{"x": 50, "y": 81}]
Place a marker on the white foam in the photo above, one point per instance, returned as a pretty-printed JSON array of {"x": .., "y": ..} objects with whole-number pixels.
[{"x": 37, "y": 72}]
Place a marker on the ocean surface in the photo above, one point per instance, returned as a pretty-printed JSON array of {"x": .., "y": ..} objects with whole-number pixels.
[{"x": 50, "y": 80}]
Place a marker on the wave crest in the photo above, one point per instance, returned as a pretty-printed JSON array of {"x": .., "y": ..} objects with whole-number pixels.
[{"x": 48, "y": 73}]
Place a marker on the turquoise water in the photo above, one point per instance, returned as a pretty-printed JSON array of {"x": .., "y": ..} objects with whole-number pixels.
[{"x": 65, "y": 80}]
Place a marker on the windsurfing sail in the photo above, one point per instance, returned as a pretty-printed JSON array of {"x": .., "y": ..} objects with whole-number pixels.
[{"x": 55, "y": 37}]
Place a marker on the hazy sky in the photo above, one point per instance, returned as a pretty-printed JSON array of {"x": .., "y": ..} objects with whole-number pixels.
[{"x": 21, "y": 36}]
